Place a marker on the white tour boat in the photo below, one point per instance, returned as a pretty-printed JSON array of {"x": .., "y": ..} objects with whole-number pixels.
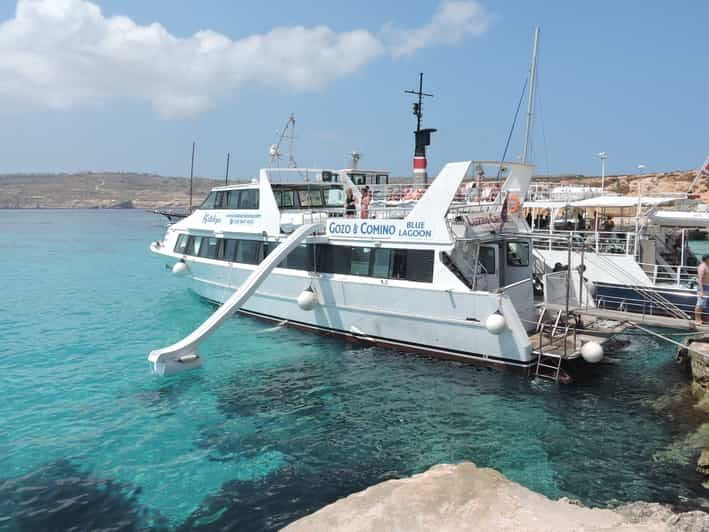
[{"x": 446, "y": 278}]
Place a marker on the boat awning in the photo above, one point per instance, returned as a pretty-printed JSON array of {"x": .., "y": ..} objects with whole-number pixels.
[
  {"x": 690, "y": 219},
  {"x": 619, "y": 202},
  {"x": 551, "y": 205}
]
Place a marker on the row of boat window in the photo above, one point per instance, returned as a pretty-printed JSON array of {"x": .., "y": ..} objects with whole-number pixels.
[
  {"x": 286, "y": 198},
  {"x": 303, "y": 198},
  {"x": 232, "y": 199},
  {"x": 382, "y": 263}
]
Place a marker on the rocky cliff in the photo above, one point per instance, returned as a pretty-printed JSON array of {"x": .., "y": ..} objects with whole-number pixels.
[{"x": 677, "y": 181}]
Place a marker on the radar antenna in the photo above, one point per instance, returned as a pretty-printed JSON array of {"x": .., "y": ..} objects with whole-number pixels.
[{"x": 285, "y": 134}]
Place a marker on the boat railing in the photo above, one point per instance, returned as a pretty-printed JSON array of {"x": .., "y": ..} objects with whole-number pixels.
[
  {"x": 393, "y": 200},
  {"x": 673, "y": 275},
  {"x": 602, "y": 242},
  {"x": 560, "y": 193}
]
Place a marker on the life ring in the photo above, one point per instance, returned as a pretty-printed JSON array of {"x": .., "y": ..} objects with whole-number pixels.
[{"x": 513, "y": 203}]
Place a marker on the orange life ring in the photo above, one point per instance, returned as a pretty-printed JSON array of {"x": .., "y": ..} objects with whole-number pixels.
[{"x": 513, "y": 203}]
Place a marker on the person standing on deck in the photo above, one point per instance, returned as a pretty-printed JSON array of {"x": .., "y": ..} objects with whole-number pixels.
[
  {"x": 702, "y": 289},
  {"x": 366, "y": 199},
  {"x": 350, "y": 204}
]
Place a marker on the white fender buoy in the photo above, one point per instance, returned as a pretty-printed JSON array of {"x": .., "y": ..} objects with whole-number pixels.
[
  {"x": 592, "y": 352},
  {"x": 180, "y": 269},
  {"x": 495, "y": 323},
  {"x": 307, "y": 299}
]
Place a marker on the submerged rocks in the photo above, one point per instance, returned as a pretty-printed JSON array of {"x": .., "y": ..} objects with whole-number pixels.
[{"x": 465, "y": 497}]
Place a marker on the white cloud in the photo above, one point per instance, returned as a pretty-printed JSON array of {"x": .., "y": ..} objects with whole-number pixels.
[
  {"x": 452, "y": 22},
  {"x": 63, "y": 53}
]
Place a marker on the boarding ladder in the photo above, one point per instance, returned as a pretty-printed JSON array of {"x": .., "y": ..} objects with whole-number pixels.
[{"x": 548, "y": 364}]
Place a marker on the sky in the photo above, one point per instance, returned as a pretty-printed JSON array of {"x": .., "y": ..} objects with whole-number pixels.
[{"x": 127, "y": 85}]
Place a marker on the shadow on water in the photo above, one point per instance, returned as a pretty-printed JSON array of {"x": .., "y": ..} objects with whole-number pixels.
[
  {"x": 283, "y": 497},
  {"x": 61, "y": 497}
]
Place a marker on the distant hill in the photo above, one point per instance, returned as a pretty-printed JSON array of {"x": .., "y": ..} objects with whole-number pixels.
[
  {"x": 99, "y": 190},
  {"x": 630, "y": 185},
  {"x": 149, "y": 191}
]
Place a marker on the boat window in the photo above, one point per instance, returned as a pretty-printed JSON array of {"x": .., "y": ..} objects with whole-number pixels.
[
  {"x": 233, "y": 202},
  {"x": 181, "y": 243},
  {"x": 381, "y": 265},
  {"x": 487, "y": 258},
  {"x": 284, "y": 199},
  {"x": 208, "y": 203},
  {"x": 335, "y": 197},
  {"x": 209, "y": 248},
  {"x": 412, "y": 265},
  {"x": 333, "y": 259},
  {"x": 518, "y": 253},
  {"x": 248, "y": 251},
  {"x": 359, "y": 264},
  {"x": 221, "y": 201},
  {"x": 310, "y": 198},
  {"x": 301, "y": 258},
  {"x": 419, "y": 265},
  {"x": 248, "y": 199},
  {"x": 382, "y": 179},
  {"x": 358, "y": 179},
  {"x": 230, "y": 246},
  {"x": 193, "y": 245}
]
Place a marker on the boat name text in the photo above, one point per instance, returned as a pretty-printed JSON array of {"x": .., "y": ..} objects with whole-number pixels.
[{"x": 380, "y": 229}]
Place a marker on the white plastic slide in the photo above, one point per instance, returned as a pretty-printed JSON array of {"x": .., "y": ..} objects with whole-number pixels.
[{"x": 183, "y": 355}]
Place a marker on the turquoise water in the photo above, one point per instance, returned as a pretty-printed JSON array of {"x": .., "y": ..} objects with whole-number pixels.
[{"x": 278, "y": 423}]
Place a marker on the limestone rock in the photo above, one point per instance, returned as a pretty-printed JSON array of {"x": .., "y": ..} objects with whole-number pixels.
[{"x": 465, "y": 497}]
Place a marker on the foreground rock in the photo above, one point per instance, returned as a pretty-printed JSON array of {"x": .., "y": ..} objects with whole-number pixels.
[{"x": 465, "y": 497}]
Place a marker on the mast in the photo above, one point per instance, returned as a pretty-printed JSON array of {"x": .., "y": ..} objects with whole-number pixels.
[
  {"x": 226, "y": 175},
  {"x": 530, "y": 102},
  {"x": 194, "y": 145},
  {"x": 423, "y": 136}
]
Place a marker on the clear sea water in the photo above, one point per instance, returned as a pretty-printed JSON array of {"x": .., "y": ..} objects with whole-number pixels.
[{"x": 278, "y": 423}]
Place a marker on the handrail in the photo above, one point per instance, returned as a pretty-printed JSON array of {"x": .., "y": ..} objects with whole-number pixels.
[{"x": 504, "y": 289}]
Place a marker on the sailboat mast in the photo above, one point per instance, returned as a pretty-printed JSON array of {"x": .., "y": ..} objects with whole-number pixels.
[
  {"x": 530, "y": 102},
  {"x": 194, "y": 145}
]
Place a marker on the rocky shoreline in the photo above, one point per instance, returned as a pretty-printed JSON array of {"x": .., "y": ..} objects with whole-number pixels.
[{"x": 465, "y": 497}]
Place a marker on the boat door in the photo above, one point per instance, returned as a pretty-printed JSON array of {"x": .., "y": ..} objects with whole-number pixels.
[
  {"x": 515, "y": 263},
  {"x": 515, "y": 266},
  {"x": 489, "y": 266}
]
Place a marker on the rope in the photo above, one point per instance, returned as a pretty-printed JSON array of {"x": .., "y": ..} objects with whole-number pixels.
[{"x": 514, "y": 123}]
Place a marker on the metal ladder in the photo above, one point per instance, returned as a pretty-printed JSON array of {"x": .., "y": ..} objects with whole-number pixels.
[
  {"x": 549, "y": 364},
  {"x": 547, "y": 369}
]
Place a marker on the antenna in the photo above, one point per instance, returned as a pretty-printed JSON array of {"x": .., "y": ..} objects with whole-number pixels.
[
  {"x": 288, "y": 132},
  {"x": 530, "y": 101},
  {"x": 423, "y": 136}
]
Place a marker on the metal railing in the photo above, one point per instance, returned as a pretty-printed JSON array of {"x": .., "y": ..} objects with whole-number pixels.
[
  {"x": 394, "y": 200},
  {"x": 609, "y": 242},
  {"x": 680, "y": 276}
]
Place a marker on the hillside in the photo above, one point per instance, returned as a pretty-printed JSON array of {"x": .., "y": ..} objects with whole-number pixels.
[
  {"x": 99, "y": 190},
  {"x": 148, "y": 191},
  {"x": 676, "y": 181}
]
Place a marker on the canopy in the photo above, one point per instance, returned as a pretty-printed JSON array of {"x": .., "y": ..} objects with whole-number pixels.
[
  {"x": 551, "y": 205},
  {"x": 618, "y": 202}
]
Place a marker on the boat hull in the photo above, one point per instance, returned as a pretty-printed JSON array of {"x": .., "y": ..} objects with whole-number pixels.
[
  {"x": 420, "y": 319},
  {"x": 634, "y": 299}
]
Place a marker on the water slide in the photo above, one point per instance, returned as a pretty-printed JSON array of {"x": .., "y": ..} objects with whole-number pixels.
[{"x": 183, "y": 355}]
